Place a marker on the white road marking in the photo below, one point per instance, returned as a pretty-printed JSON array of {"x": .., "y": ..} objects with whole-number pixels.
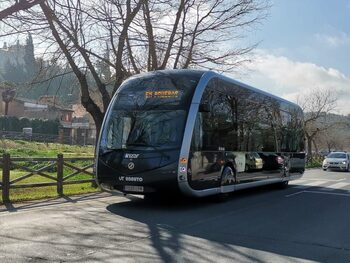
[
  {"x": 326, "y": 193},
  {"x": 336, "y": 186},
  {"x": 299, "y": 181},
  {"x": 319, "y": 192},
  {"x": 310, "y": 184},
  {"x": 294, "y": 194},
  {"x": 302, "y": 181}
]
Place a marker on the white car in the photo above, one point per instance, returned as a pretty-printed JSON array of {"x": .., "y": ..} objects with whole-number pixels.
[{"x": 337, "y": 160}]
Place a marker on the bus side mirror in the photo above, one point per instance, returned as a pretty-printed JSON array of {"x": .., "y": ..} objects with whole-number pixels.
[{"x": 204, "y": 108}]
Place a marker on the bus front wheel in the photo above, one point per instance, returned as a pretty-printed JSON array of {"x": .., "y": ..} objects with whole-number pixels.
[
  {"x": 227, "y": 178},
  {"x": 283, "y": 185}
]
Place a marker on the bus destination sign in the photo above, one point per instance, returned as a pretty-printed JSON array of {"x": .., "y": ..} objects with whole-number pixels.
[{"x": 162, "y": 94}]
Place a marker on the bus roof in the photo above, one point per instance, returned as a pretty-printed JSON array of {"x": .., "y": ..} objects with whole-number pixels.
[
  {"x": 246, "y": 86},
  {"x": 201, "y": 73}
]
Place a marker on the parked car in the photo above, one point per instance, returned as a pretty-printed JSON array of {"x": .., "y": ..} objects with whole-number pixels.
[
  {"x": 253, "y": 161},
  {"x": 337, "y": 160},
  {"x": 271, "y": 161}
]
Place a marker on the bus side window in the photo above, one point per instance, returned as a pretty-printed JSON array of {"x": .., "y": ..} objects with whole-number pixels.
[
  {"x": 206, "y": 119},
  {"x": 197, "y": 136}
]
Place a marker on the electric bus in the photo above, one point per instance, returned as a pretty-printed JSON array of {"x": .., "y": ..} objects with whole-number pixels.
[{"x": 199, "y": 133}]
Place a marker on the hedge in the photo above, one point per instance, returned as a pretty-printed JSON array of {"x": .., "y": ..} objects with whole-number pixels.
[{"x": 9, "y": 123}]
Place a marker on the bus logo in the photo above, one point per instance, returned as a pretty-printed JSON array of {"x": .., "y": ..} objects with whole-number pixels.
[
  {"x": 131, "y": 166},
  {"x": 132, "y": 155}
]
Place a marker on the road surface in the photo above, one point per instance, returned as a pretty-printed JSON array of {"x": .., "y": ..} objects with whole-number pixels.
[{"x": 308, "y": 222}]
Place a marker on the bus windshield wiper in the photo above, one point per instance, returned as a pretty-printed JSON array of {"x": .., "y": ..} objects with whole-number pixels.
[
  {"x": 108, "y": 150},
  {"x": 137, "y": 144},
  {"x": 155, "y": 147}
]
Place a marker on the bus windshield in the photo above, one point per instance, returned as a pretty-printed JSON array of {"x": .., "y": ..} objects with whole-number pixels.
[
  {"x": 149, "y": 112},
  {"x": 149, "y": 129},
  {"x": 156, "y": 92}
]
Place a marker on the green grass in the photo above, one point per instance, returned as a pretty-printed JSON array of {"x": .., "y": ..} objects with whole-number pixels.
[
  {"x": 18, "y": 148},
  {"x": 17, "y": 195}
]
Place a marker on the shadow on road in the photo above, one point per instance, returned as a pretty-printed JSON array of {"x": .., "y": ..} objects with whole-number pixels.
[
  {"x": 17, "y": 206},
  {"x": 255, "y": 225},
  {"x": 250, "y": 220}
]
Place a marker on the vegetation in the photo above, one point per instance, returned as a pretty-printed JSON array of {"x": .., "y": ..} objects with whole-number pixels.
[
  {"x": 11, "y": 123},
  {"x": 314, "y": 164},
  {"x": 17, "y": 6},
  {"x": 34, "y": 193},
  {"x": 109, "y": 41},
  {"x": 33, "y": 149},
  {"x": 19, "y": 148}
]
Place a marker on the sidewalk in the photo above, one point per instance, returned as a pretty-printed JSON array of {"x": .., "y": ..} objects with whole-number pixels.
[{"x": 14, "y": 207}]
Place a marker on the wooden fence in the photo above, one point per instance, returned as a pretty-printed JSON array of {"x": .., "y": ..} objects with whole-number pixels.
[{"x": 57, "y": 165}]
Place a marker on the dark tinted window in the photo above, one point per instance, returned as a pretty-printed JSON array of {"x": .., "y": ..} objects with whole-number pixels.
[
  {"x": 149, "y": 111},
  {"x": 216, "y": 129},
  {"x": 243, "y": 120},
  {"x": 156, "y": 91},
  {"x": 150, "y": 128}
]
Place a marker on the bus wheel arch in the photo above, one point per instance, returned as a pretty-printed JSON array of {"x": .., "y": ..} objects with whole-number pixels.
[{"x": 228, "y": 174}]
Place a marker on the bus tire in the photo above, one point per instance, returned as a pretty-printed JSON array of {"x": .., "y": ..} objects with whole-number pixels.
[
  {"x": 151, "y": 197},
  {"x": 228, "y": 172},
  {"x": 282, "y": 185}
]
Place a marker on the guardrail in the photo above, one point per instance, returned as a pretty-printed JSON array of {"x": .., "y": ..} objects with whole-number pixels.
[{"x": 60, "y": 170}]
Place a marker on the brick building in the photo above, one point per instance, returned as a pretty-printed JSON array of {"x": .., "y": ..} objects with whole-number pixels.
[{"x": 20, "y": 107}]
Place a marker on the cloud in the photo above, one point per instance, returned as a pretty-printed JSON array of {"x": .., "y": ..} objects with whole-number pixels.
[
  {"x": 334, "y": 40},
  {"x": 289, "y": 79}
]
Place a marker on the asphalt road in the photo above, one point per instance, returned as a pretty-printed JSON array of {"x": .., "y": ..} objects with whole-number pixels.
[{"x": 308, "y": 222}]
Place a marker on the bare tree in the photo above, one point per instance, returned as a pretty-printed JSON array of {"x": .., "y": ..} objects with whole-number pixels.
[
  {"x": 336, "y": 137},
  {"x": 18, "y": 6},
  {"x": 332, "y": 140},
  {"x": 141, "y": 35},
  {"x": 316, "y": 104},
  {"x": 8, "y": 94}
]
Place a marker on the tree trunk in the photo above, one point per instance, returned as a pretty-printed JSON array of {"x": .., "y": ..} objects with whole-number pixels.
[
  {"x": 315, "y": 145},
  {"x": 309, "y": 147},
  {"x": 6, "y": 108},
  {"x": 95, "y": 112}
]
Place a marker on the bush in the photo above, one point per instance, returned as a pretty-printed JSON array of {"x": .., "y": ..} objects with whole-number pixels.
[
  {"x": 314, "y": 164},
  {"x": 9, "y": 123}
]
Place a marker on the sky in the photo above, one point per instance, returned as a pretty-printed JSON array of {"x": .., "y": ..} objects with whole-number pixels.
[{"x": 304, "y": 46}]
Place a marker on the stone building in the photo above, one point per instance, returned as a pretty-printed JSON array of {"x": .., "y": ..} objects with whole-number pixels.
[{"x": 17, "y": 58}]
